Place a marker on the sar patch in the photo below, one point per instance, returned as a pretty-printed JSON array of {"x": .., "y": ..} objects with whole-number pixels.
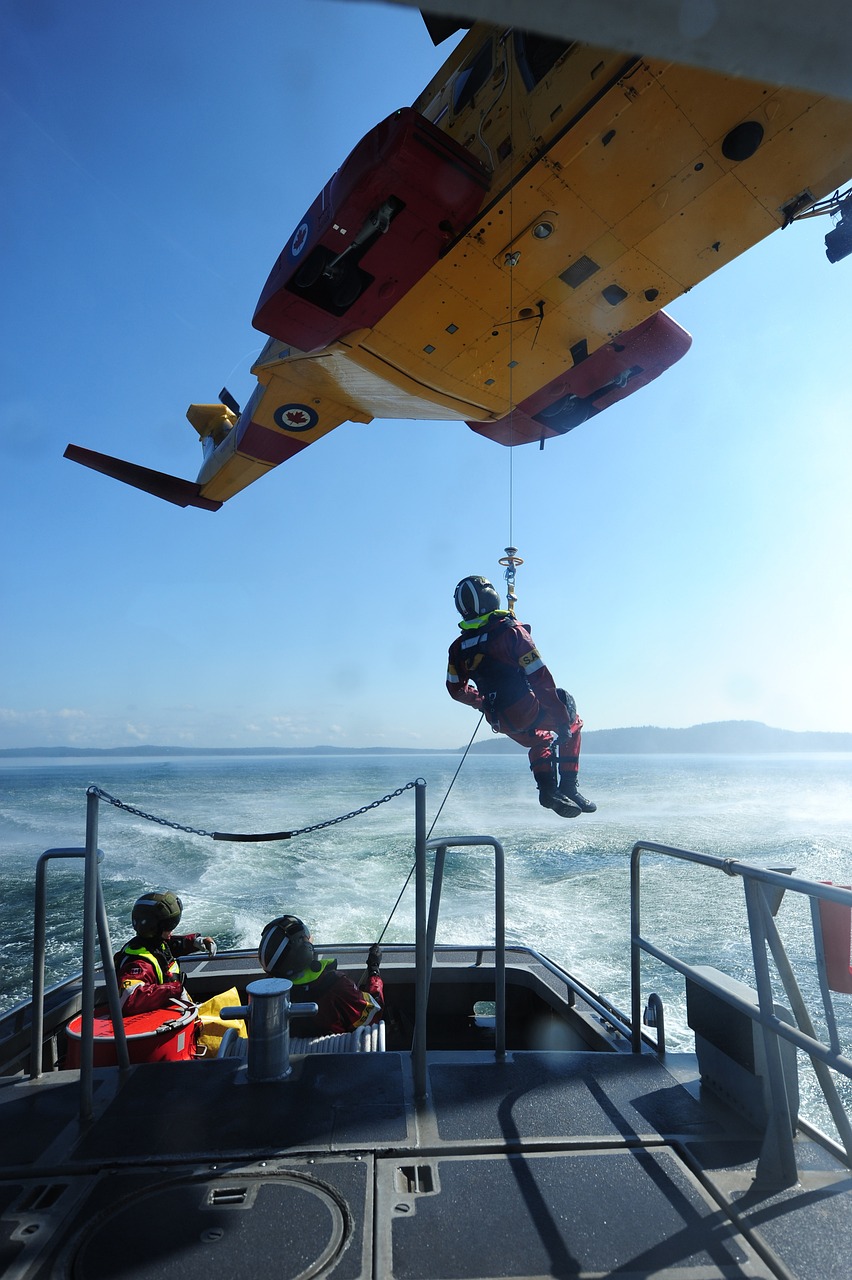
[{"x": 530, "y": 661}]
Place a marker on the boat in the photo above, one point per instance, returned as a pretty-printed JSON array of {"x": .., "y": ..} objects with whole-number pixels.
[{"x": 511, "y": 1122}]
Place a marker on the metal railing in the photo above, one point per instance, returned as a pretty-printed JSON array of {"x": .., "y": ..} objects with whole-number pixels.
[
  {"x": 426, "y": 929},
  {"x": 762, "y": 897},
  {"x": 94, "y": 924}
]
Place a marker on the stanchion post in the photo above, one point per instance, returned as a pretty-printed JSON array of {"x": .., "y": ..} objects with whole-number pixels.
[
  {"x": 90, "y": 897},
  {"x": 421, "y": 958}
]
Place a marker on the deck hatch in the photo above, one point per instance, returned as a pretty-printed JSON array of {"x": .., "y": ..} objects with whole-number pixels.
[
  {"x": 543, "y": 1213},
  {"x": 304, "y": 1223}
]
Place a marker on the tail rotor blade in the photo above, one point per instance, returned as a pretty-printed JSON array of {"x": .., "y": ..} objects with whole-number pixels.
[{"x": 228, "y": 401}]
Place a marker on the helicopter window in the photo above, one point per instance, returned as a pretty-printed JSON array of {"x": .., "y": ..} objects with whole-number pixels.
[
  {"x": 471, "y": 80},
  {"x": 537, "y": 55}
]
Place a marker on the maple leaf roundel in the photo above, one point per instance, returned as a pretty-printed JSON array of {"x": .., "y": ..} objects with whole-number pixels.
[
  {"x": 296, "y": 417},
  {"x": 300, "y": 239}
]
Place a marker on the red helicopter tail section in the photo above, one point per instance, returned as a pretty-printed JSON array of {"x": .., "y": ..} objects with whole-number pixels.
[{"x": 183, "y": 493}]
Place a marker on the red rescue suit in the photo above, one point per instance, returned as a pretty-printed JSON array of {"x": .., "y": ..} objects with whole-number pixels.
[
  {"x": 342, "y": 1005},
  {"x": 148, "y": 972},
  {"x": 495, "y": 668}
]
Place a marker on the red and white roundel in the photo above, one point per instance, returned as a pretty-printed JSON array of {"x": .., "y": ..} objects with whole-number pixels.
[
  {"x": 300, "y": 239},
  {"x": 296, "y": 417}
]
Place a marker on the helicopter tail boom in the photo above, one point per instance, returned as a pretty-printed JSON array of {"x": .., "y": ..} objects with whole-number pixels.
[{"x": 183, "y": 493}]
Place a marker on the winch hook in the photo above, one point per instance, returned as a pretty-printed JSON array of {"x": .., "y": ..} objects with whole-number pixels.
[{"x": 510, "y": 562}]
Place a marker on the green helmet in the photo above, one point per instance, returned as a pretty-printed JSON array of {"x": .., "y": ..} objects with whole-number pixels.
[
  {"x": 285, "y": 948},
  {"x": 156, "y": 913}
]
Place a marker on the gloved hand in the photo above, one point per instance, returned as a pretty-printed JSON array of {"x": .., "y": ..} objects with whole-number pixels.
[
  {"x": 374, "y": 959},
  {"x": 209, "y": 946}
]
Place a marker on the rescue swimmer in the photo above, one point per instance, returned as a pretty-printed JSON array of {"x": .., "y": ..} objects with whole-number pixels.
[
  {"x": 286, "y": 951},
  {"x": 495, "y": 668},
  {"x": 149, "y": 975}
]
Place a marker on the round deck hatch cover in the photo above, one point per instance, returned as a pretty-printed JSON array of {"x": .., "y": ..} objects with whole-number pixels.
[{"x": 287, "y": 1225}]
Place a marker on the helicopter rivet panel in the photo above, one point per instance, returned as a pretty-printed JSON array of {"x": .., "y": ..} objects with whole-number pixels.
[
  {"x": 798, "y": 154},
  {"x": 652, "y": 142},
  {"x": 725, "y": 215},
  {"x": 670, "y": 198}
]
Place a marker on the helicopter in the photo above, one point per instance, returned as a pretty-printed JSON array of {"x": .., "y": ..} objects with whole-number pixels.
[{"x": 500, "y": 253}]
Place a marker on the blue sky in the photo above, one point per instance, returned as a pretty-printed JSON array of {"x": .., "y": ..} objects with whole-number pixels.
[{"x": 687, "y": 553}]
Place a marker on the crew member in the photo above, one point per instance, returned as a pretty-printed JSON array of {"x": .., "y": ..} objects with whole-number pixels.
[
  {"x": 286, "y": 951},
  {"x": 495, "y": 668},
  {"x": 149, "y": 975}
]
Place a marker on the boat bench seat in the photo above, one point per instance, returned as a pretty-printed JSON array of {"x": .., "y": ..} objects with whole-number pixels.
[{"x": 369, "y": 1039}]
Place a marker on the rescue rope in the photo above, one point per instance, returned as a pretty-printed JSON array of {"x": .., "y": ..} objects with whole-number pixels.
[
  {"x": 270, "y": 836},
  {"x": 511, "y": 558},
  {"x": 432, "y": 828}
]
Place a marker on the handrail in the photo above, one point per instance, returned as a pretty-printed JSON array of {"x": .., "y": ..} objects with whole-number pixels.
[
  {"x": 426, "y": 929},
  {"x": 441, "y": 846},
  {"x": 94, "y": 923},
  {"x": 777, "y": 1160}
]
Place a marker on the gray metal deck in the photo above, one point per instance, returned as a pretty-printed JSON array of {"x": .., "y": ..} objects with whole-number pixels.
[{"x": 547, "y": 1164}]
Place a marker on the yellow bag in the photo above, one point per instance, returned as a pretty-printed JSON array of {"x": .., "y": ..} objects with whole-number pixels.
[{"x": 213, "y": 1027}]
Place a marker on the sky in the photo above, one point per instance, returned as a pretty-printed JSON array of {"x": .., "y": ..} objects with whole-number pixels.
[{"x": 687, "y": 554}]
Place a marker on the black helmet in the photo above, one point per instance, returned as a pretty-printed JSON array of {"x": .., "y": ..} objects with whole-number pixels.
[
  {"x": 475, "y": 596},
  {"x": 285, "y": 947},
  {"x": 156, "y": 913}
]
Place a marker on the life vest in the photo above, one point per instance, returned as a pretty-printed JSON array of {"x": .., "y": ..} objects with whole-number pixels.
[
  {"x": 346, "y": 1006},
  {"x": 502, "y": 684},
  {"x": 165, "y": 966}
]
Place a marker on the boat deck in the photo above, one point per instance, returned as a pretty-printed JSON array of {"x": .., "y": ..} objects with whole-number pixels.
[
  {"x": 519, "y": 1125},
  {"x": 545, "y": 1164}
]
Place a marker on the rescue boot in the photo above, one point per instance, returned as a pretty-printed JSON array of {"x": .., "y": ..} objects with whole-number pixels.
[
  {"x": 550, "y": 798},
  {"x": 568, "y": 789}
]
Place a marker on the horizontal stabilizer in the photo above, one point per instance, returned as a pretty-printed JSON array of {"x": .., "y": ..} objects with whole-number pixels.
[{"x": 183, "y": 493}]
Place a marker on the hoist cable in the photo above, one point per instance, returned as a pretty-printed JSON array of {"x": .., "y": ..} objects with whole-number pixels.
[
  {"x": 432, "y": 828},
  {"x": 512, "y": 559},
  {"x": 513, "y": 257}
]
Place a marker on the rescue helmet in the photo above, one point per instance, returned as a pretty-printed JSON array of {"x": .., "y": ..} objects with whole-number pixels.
[
  {"x": 156, "y": 913},
  {"x": 285, "y": 947},
  {"x": 475, "y": 596}
]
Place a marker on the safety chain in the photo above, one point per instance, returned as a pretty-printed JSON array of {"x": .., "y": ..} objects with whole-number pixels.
[{"x": 272, "y": 835}]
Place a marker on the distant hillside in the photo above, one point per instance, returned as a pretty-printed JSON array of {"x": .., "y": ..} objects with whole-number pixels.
[
  {"x": 137, "y": 751},
  {"x": 732, "y": 737}
]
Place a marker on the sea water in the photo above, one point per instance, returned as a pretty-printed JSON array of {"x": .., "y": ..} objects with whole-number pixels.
[{"x": 567, "y": 882}]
